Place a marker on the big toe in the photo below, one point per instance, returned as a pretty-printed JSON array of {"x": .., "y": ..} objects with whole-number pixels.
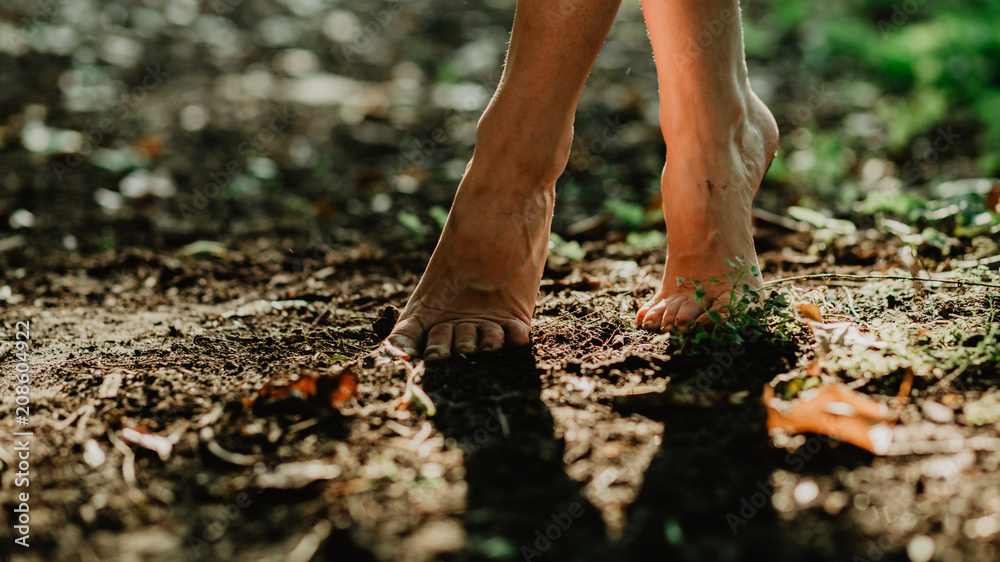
[
  {"x": 406, "y": 336},
  {"x": 650, "y": 316}
]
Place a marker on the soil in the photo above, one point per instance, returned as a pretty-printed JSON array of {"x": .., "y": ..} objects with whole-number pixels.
[
  {"x": 587, "y": 429},
  {"x": 194, "y": 351}
]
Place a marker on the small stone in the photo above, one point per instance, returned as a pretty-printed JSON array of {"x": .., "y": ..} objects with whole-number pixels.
[
  {"x": 920, "y": 548},
  {"x": 937, "y": 412},
  {"x": 805, "y": 492},
  {"x": 835, "y": 502},
  {"x": 93, "y": 455}
]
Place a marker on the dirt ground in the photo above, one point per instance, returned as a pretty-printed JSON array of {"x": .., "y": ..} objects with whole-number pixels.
[
  {"x": 206, "y": 211},
  {"x": 593, "y": 428}
]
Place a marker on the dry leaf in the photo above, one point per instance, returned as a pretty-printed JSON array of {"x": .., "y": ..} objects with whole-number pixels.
[
  {"x": 834, "y": 410},
  {"x": 906, "y": 385},
  {"x": 842, "y": 334},
  {"x": 308, "y": 390},
  {"x": 810, "y": 311}
]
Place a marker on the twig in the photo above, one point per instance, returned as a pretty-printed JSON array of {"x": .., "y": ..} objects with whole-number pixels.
[
  {"x": 877, "y": 278},
  {"x": 128, "y": 459},
  {"x": 321, "y": 316},
  {"x": 850, "y": 302}
]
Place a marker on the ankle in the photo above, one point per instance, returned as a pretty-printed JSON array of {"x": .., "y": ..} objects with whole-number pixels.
[{"x": 534, "y": 148}]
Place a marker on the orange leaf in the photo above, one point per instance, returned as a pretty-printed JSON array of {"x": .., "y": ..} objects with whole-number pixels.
[
  {"x": 810, "y": 311},
  {"x": 834, "y": 410},
  {"x": 308, "y": 390}
]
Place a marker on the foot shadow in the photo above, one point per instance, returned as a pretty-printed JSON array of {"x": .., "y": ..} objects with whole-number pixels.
[
  {"x": 520, "y": 502},
  {"x": 707, "y": 494}
]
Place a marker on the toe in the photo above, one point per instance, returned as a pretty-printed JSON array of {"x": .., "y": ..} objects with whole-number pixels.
[
  {"x": 671, "y": 310},
  {"x": 688, "y": 312},
  {"x": 465, "y": 338},
  {"x": 439, "y": 342},
  {"x": 492, "y": 336},
  {"x": 641, "y": 315},
  {"x": 653, "y": 316},
  {"x": 516, "y": 334},
  {"x": 406, "y": 337}
]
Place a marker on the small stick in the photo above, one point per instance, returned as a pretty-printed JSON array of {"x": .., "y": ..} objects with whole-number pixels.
[{"x": 878, "y": 278}]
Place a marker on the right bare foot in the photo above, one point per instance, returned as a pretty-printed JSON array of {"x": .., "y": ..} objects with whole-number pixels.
[{"x": 478, "y": 292}]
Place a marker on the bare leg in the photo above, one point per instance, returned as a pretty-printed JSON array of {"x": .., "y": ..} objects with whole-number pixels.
[
  {"x": 720, "y": 139},
  {"x": 479, "y": 289}
]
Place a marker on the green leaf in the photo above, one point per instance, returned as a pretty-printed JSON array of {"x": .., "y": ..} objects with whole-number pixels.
[
  {"x": 412, "y": 223},
  {"x": 439, "y": 214},
  {"x": 715, "y": 317}
]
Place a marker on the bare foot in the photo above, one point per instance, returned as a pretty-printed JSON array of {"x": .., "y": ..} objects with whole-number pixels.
[
  {"x": 479, "y": 289},
  {"x": 708, "y": 190}
]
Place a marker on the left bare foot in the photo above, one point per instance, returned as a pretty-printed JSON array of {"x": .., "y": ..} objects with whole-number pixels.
[{"x": 707, "y": 194}]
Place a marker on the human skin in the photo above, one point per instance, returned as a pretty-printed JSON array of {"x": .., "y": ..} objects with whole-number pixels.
[{"x": 479, "y": 289}]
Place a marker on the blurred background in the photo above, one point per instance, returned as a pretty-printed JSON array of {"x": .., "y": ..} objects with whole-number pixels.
[{"x": 322, "y": 124}]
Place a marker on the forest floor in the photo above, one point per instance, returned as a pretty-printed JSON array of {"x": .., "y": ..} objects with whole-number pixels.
[
  {"x": 165, "y": 426},
  {"x": 208, "y": 209}
]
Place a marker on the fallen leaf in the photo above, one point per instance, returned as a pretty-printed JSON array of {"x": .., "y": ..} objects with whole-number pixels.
[
  {"x": 308, "y": 390},
  {"x": 834, "y": 410},
  {"x": 810, "y": 311},
  {"x": 842, "y": 334},
  {"x": 905, "y": 386}
]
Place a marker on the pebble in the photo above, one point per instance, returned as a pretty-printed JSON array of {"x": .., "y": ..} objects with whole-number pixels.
[
  {"x": 920, "y": 548},
  {"x": 805, "y": 492},
  {"x": 937, "y": 412}
]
